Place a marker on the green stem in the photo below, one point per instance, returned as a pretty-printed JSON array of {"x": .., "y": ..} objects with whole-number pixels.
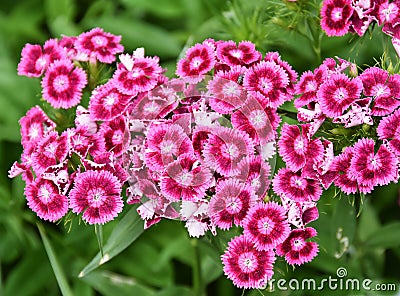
[
  {"x": 99, "y": 235},
  {"x": 197, "y": 279}
]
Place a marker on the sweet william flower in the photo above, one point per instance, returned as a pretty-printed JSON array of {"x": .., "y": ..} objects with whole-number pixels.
[
  {"x": 389, "y": 129},
  {"x": 199, "y": 59},
  {"x": 96, "y": 194},
  {"x": 266, "y": 225},
  {"x": 99, "y": 45},
  {"x": 247, "y": 267},
  {"x": 296, "y": 248},
  {"x": 231, "y": 54},
  {"x": 335, "y": 16},
  {"x": 63, "y": 84}
]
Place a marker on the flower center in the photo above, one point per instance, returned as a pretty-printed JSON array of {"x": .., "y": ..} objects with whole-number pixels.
[
  {"x": 299, "y": 144},
  {"x": 298, "y": 244},
  {"x": 185, "y": 179},
  {"x": 34, "y": 130},
  {"x": 44, "y": 194},
  {"x": 258, "y": 119},
  {"x": 337, "y": 14},
  {"x": 41, "y": 63},
  {"x": 168, "y": 147},
  {"x": 61, "y": 83},
  {"x": 109, "y": 100},
  {"x": 231, "y": 89},
  {"x": 248, "y": 262},
  {"x": 380, "y": 89},
  {"x": 340, "y": 94},
  {"x": 97, "y": 196},
  {"x": 196, "y": 62},
  {"x": 137, "y": 73},
  {"x": 230, "y": 150},
  {"x": 150, "y": 107},
  {"x": 266, "y": 84},
  {"x": 297, "y": 182},
  {"x": 99, "y": 41},
  {"x": 390, "y": 12},
  {"x": 265, "y": 225},
  {"x": 117, "y": 137},
  {"x": 233, "y": 205},
  {"x": 236, "y": 53}
]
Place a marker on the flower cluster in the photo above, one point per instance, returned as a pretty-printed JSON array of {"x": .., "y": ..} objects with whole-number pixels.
[
  {"x": 74, "y": 168},
  {"x": 200, "y": 147},
  {"x": 339, "y": 17},
  {"x": 329, "y": 97}
]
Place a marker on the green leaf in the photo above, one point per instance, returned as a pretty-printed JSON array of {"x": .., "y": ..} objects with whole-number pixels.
[
  {"x": 57, "y": 269},
  {"x": 111, "y": 284},
  {"x": 164, "y": 8},
  {"x": 125, "y": 233},
  {"x": 386, "y": 237},
  {"x": 175, "y": 290}
]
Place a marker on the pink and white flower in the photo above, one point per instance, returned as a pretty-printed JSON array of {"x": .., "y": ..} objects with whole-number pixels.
[
  {"x": 199, "y": 59},
  {"x": 98, "y": 195},
  {"x": 231, "y": 54},
  {"x": 335, "y": 17},
  {"x": 63, "y": 84}
]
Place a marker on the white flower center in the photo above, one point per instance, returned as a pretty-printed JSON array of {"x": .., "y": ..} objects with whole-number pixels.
[
  {"x": 61, "y": 83},
  {"x": 99, "y": 41},
  {"x": 337, "y": 14}
]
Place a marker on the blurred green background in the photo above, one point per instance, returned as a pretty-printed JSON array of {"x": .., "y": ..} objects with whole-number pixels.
[{"x": 161, "y": 261}]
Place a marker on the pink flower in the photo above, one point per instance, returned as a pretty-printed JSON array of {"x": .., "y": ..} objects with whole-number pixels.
[
  {"x": 196, "y": 216},
  {"x": 185, "y": 179},
  {"x": 34, "y": 60},
  {"x": 107, "y": 102},
  {"x": 140, "y": 77},
  {"x": 345, "y": 179},
  {"x": 199, "y": 59},
  {"x": 225, "y": 95},
  {"x": 115, "y": 135},
  {"x": 63, "y": 83},
  {"x": 231, "y": 203},
  {"x": 370, "y": 168},
  {"x": 308, "y": 86},
  {"x": 383, "y": 88},
  {"x": 247, "y": 267},
  {"x": 255, "y": 172},
  {"x": 337, "y": 93},
  {"x": 49, "y": 151},
  {"x": 335, "y": 16},
  {"x": 266, "y": 225},
  {"x": 296, "y": 148},
  {"x": 260, "y": 123},
  {"x": 267, "y": 82},
  {"x": 389, "y": 129},
  {"x": 34, "y": 126},
  {"x": 45, "y": 200},
  {"x": 98, "y": 195},
  {"x": 225, "y": 148},
  {"x": 82, "y": 142},
  {"x": 243, "y": 54},
  {"x": 164, "y": 144},
  {"x": 99, "y": 45},
  {"x": 296, "y": 249},
  {"x": 296, "y": 186}
]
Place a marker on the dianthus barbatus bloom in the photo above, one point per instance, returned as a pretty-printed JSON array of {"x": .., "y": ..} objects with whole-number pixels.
[
  {"x": 384, "y": 89},
  {"x": 199, "y": 59},
  {"x": 254, "y": 171},
  {"x": 296, "y": 148},
  {"x": 225, "y": 95},
  {"x": 266, "y": 225},
  {"x": 231, "y": 203},
  {"x": 98, "y": 195},
  {"x": 247, "y": 267},
  {"x": 45, "y": 199},
  {"x": 260, "y": 123},
  {"x": 389, "y": 129},
  {"x": 164, "y": 143},
  {"x": 337, "y": 93},
  {"x": 115, "y": 135},
  {"x": 185, "y": 179},
  {"x": 335, "y": 16},
  {"x": 296, "y": 186},
  {"x": 35, "y": 60},
  {"x": 299, "y": 213},
  {"x": 140, "y": 76},
  {"x": 244, "y": 53},
  {"x": 345, "y": 179},
  {"x": 99, "y": 45},
  {"x": 372, "y": 169},
  {"x": 107, "y": 102},
  {"x": 196, "y": 216},
  {"x": 34, "y": 126},
  {"x": 63, "y": 84},
  {"x": 225, "y": 148},
  {"x": 308, "y": 86},
  {"x": 296, "y": 249},
  {"x": 267, "y": 82},
  {"x": 49, "y": 151}
]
